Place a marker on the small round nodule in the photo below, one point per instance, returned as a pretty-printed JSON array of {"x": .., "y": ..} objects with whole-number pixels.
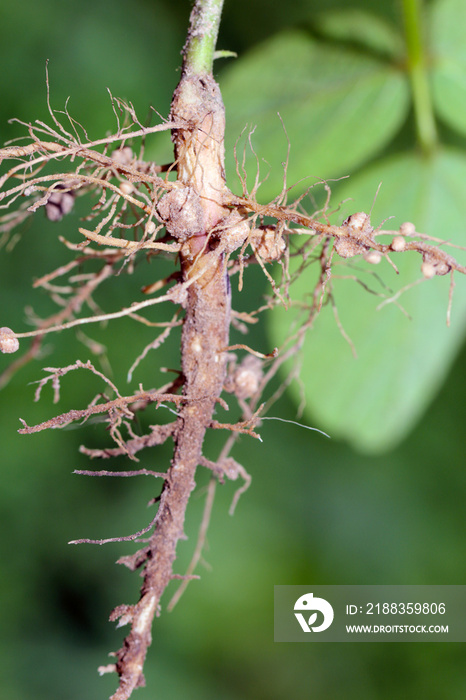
[
  {"x": 407, "y": 229},
  {"x": 373, "y": 257},
  {"x": 126, "y": 187},
  {"x": 8, "y": 341},
  {"x": 267, "y": 244},
  {"x": 360, "y": 220},
  {"x": 182, "y": 212},
  {"x": 398, "y": 244},
  {"x": 149, "y": 228},
  {"x": 428, "y": 270},
  {"x": 346, "y": 247}
]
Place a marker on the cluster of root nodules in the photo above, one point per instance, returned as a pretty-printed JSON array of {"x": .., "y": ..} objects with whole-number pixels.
[{"x": 138, "y": 212}]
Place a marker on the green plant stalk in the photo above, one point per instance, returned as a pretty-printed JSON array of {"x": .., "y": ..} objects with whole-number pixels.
[
  {"x": 202, "y": 37},
  {"x": 417, "y": 66}
]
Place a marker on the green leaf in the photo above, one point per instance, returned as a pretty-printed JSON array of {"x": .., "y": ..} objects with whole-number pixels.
[
  {"x": 359, "y": 27},
  {"x": 373, "y": 400},
  {"x": 449, "y": 53},
  {"x": 338, "y": 107}
]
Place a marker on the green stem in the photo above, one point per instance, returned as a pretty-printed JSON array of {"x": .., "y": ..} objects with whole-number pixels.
[
  {"x": 202, "y": 36},
  {"x": 416, "y": 54}
]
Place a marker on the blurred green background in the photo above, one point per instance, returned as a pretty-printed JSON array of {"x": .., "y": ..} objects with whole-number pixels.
[{"x": 318, "y": 511}]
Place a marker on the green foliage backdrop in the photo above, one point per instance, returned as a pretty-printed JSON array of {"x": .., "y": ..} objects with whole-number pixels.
[{"x": 383, "y": 500}]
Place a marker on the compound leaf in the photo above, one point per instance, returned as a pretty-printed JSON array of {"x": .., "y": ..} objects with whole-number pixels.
[
  {"x": 373, "y": 400},
  {"x": 339, "y": 106}
]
